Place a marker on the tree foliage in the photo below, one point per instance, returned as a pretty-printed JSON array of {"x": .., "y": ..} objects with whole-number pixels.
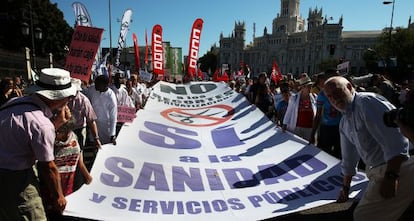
[
  {"x": 328, "y": 64},
  {"x": 208, "y": 62},
  {"x": 398, "y": 47},
  {"x": 56, "y": 32}
]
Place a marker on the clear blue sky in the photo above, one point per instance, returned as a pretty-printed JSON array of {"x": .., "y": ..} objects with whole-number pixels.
[{"x": 177, "y": 17}]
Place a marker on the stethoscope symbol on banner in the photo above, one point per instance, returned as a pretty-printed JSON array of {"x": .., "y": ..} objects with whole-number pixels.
[{"x": 188, "y": 118}]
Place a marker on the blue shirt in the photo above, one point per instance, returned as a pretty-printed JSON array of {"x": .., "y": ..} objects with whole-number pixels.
[
  {"x": 364, "y": 134},
  {"x": 281, "y": 109},
  {"x": 330, "y": 115}
]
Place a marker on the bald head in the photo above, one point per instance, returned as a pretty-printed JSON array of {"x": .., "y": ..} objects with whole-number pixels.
[
  {"x": 337, "y": 81},
  {"x": 339, "y": 92}
]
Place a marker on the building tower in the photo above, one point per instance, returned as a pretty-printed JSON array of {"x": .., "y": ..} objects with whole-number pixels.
[
  {"x": 289, "y": 19},
  {"x": 239, "y": 34},
  {"x": 314, "y": 19}
]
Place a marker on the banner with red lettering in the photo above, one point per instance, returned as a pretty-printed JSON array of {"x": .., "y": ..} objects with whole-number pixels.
[
  {"x": 126, "y": 114},
  {"x": 157, "y": 51},
  {"x": 82, "y": 51},
  {"x": 194, "y": 47},
  {"x": 136, "y": 50},
  {"x": 201, "y": 151}
]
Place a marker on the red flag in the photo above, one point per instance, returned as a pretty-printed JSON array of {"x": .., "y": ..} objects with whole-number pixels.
[
  {"x": 157, "y": 51},
  {"x": 241, "y": 70},
  {"x": 224, "y": 77},
  {"x": 136, "y": 49},
  {"x": 194, "y": 47},
  {"x": 216, "y": 75},
  {"x": 146, "y": 49},
  {"x": 200, "y": 74},
  {"x": 276, "y": 74},
  {"x": 220, "y": 77}
]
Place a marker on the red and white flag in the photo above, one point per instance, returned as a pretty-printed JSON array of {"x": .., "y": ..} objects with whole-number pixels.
[
  {"x": 276, "y": 74},
  {"x": 194, "y": 47},
  {"x": 157, "y": 51}
]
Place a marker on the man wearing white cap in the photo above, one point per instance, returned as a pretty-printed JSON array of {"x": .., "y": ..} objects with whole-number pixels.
[{"x": 27, "y": 128}]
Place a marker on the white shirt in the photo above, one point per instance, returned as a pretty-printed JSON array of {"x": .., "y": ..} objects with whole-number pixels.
[
  {"x": 122, "y": 96},
  {"x": 105, "y": 107},
  {"x": 136, "y": 98}
]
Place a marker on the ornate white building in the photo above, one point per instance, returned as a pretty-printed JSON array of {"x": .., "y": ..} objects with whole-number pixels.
[{"x": 297, "y": 45}]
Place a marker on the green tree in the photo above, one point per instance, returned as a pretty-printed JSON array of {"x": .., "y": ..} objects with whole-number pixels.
[
  {"x": 371, "y": 59},
  {"x": 56, "y": 32},
  {"x": 399, "y": 47},
  {"x": 328, "y": 64},
  {"x": 208, "y": 62}
]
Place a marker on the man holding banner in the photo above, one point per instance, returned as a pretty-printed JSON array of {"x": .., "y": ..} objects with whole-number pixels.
[{"x": 383, "y": 149}]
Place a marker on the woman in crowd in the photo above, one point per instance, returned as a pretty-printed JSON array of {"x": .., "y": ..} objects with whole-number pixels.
[{"x": 301, "y": 110}]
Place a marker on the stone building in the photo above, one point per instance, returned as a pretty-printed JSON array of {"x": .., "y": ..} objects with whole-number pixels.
[{"x": 296, "y": 44}]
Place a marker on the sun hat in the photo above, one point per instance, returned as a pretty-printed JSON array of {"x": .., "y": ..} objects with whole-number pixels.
[
  {"x": 77, "y": 83},
  {"x": 54, "y": 84},
  {"x": 303, "y": 81}
]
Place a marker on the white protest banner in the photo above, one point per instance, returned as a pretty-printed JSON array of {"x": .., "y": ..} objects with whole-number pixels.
[
  {"x": 201, "y": 151},
  {"x": 343, "y": 68},
  {"x": 145, "y": 76}
]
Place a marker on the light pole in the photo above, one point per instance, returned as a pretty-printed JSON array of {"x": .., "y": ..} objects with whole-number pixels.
[
  {"x": 392, "y": 18},
  {"x": 110, "y": 29},
  {"x": 35, "y": 33}
]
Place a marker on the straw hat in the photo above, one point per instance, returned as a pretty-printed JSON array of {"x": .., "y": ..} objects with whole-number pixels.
[{"x": 54, "y": 84}]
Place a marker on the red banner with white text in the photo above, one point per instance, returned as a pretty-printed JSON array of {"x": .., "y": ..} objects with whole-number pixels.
[
  {"x": 194, "y": 47},
  {"x": 157, "y": 50}
]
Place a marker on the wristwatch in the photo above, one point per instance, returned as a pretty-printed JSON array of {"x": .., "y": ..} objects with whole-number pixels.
[{"x": 389, "y": 175}]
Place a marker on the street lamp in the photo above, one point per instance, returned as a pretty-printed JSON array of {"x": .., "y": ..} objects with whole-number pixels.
[
  {"x": 35, "y": 33},
  {"x": 110, "y": 29},
  {"x": 392, "y": 17}
]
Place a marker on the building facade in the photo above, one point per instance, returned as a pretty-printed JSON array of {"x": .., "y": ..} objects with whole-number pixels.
[{"x": 296, "y": 44}]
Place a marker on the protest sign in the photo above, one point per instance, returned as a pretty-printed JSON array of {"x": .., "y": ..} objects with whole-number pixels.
[{"x": 82, "y": 52}]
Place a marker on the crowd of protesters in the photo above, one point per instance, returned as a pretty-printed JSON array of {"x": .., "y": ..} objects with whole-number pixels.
[
  {"x": 300, "y": 104},
  {"x": 60, "y": 116},
  {"x": 344, "y": 116}
]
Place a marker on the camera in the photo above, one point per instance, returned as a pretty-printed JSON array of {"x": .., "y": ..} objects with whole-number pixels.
[{"x": 404, "y": 114}]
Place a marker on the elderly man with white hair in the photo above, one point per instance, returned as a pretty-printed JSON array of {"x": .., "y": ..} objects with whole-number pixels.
[{"x": 384, "y": 150}]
